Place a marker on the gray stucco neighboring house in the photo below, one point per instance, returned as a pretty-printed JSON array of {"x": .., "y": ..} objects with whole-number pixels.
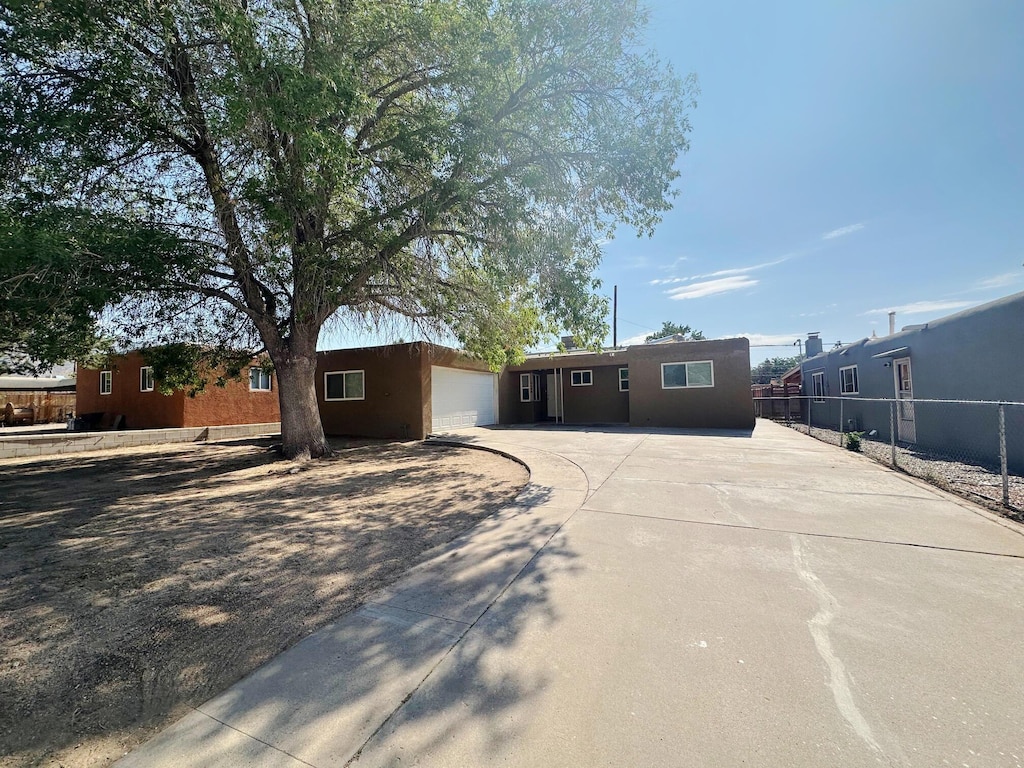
[{"x": 976, "y": 354}]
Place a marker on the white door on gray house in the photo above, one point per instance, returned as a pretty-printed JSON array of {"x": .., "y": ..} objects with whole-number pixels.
[{"x": 906, "y": 428}]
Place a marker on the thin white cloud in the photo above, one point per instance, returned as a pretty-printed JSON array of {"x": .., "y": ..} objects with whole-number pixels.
[
  {"x": 712, "y": 287},
  {"x": 640, "y": 338},
  {"x": 842, "y": 231},
  {"x": 769, "y": 339},
  {"x": 921, "y": 308},
  {"x": 719, "y": 273},
  {"x": 999, "y": 281}
]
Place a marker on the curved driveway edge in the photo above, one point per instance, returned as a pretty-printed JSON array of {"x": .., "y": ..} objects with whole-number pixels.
[
  {"x": 663, "y": 598},
  {"x": 320, "y": 701}
]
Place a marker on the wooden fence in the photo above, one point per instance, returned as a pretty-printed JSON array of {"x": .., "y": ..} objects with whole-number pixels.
[
  {"x": 48, "y": 406},
  {"x": 779, "y": 402}
]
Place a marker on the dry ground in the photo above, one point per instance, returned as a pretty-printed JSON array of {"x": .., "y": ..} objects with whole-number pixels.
[{"x": 139, "y": 582}]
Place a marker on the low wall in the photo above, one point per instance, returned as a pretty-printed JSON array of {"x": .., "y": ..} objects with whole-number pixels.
[{"x": 18, "y": 446}]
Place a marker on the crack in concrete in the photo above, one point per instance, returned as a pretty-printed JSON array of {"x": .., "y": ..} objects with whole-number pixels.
[{"x": 818, "y": 625}]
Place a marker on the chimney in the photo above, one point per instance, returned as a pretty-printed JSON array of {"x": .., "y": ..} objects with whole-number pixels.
[
  {"x": 813, "y": 345},
  {"x": 892, "y": 323}
]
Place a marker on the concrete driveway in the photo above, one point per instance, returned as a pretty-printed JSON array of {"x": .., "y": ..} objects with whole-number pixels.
[{"x": 664, "y": 599}]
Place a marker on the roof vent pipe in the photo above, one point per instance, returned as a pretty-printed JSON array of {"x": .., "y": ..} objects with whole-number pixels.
[{"x": 892, "y": 323}]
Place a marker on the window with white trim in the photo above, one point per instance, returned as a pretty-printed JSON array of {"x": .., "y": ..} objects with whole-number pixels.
[
  {"x": 344, "y": 385},
  {"x": 146, "y": 378},
  {"x": 623, "y": 379},
  {"x": 525, "y": 387},
  {"x": 818, "y": 386},
  {"x": 699, "y": 373},
  {"x": 581, "y": 378},
  {"x": 259, "y": 380},
  {"x": 848, "y": 384},
  {"x": 106, "y": 382}
]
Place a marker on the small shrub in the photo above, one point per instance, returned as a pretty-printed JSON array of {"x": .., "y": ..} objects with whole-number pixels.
[{"x": 853, "y": 440}]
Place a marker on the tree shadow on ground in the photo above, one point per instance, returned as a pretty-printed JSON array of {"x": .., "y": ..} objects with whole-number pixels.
[
  {"x": 136, "y": 583},
  {"x": 388, "y": 665}
]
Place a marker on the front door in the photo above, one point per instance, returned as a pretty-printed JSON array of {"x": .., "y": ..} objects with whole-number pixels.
[
  {"x": 554, "y": 398},
  {"x": 906, "y": 429}
]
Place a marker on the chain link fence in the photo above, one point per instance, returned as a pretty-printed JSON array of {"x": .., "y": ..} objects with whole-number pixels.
[{"x": 971, "y": 447}]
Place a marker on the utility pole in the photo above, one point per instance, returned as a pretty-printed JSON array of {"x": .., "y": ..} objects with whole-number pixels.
[{"x": 615, "y": 317}]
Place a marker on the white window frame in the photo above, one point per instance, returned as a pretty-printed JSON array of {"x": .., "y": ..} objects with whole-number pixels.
[
  {"x": 842, "y": 380},
  {"x": 818, "y": 394},
  {"x": 146, "y": 382},
  {"x": 263, "y": 373},
  {"x": 525, "y": 387},
  {"x": 327, "y": 399},
  {"x": 623, "y": 380},
  {"x": 688, "y": 385},
  {"x": 106, "y": 382},
  {"x": 585, "y": 380}
]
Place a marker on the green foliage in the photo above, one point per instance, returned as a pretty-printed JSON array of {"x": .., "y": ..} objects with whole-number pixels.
[
  {"x": 853, "y": 441},
  {"x": 189, "y": 367},
  {"x": 60, "y": 267},
  {"x": 765, "y": 371},
  {"x": 668, "y": 328},
  {"x": 454, "y": 162}
]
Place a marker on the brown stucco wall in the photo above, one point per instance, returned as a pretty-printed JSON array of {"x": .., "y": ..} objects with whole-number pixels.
[
  {"x": 599, "y": 403},
  {"x": 397, "y": 385},
  {"x": 141, "y": 410},
  {"x": 511, "y": 410},
  {"x": 726, "y": 405},
  {"x": 395, "y": 379},
  {"x": 233, "y": 403},
  {"x": 216, "y": 406}
]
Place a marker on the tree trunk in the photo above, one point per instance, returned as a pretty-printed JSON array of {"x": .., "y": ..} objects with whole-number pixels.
[{"x": 302, "y": 431}]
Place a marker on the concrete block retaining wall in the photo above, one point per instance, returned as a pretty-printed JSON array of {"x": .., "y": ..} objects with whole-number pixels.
[{"x": 18, "y": 446}]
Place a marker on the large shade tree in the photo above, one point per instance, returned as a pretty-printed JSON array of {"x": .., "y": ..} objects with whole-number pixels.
[{"x": 454, "y": 162}]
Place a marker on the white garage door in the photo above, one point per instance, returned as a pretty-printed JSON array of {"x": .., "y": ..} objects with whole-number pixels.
[{"x": 462, "y": 398}]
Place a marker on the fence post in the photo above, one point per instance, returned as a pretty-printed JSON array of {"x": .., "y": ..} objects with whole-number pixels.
[
  {"x": 892, "y": 430},
  {"x": 840, "y": 422},
  {"x": 1002, "y": 454},
  {"x": 809, "y": 415}
]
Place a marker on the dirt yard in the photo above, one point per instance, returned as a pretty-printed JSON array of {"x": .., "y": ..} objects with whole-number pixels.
[{"x": 137, "y": 583}]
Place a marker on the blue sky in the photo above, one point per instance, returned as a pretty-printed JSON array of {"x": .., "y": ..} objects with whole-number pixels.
[{"x": 846, "y": 159}]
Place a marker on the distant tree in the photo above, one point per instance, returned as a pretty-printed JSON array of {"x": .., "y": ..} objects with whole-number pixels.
[
  {"x": 764, "y": 372},
  {"x": 59, "y": 268},
  {"x": 669, "y": 328},
  {"x": 453, "y": 162}
]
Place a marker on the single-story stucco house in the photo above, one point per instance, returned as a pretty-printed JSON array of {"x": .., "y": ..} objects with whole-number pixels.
[
  {"x": 972, "y": 355},
  {"x": 412, "y": 390},
  {"x": 125, "y": 388}
]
